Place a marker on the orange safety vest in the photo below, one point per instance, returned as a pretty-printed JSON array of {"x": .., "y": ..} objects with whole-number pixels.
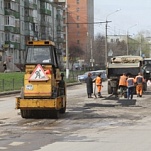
[
  {"x": 98, "y": 81},
  {"x": 122, "y": 80}
]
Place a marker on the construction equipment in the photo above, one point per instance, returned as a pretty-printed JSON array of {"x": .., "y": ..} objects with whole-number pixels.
[
  {"x": 130, "y": 65},
  {"x": 146, "y": 69},
  {"x": 44, "y": 90}
]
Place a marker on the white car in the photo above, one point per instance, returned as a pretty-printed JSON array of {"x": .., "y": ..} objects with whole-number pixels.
[{"x": 83, "y": 77}]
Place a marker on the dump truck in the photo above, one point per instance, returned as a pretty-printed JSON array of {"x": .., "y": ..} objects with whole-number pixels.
[
  {"x": 44, "y": 91},
  {"x": 130, "y": 65},
  {"x": 146, "y": 69}
]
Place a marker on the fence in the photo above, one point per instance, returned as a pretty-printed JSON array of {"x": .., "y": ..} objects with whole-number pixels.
[{"x": 10, "y": 84}]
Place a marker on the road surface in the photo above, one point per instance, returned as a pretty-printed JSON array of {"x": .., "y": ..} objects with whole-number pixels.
[{"x": 101, "y": 124}]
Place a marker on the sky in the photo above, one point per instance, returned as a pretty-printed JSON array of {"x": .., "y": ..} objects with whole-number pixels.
[{"x": 133, "y": 16}]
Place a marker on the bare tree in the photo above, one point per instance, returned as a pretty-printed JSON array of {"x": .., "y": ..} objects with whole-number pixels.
[
  {"x": 75, "y": 52},
  {"x": 99, "y": 50}
]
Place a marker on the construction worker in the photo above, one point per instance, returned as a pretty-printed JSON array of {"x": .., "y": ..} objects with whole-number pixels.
[
  {"x": 130, "y": 87},
  {"x": 139, "y": 80},
  {"x": 123, "y": 83},
  {"x": 98, "y": 82}
]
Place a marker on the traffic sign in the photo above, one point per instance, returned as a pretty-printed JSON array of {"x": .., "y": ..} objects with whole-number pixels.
[{"x": 38, "y": 74}]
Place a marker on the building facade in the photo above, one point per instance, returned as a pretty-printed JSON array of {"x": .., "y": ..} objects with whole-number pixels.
[
  {"x": 80, "y": 25},
  {"x": 23, "y": 20}
]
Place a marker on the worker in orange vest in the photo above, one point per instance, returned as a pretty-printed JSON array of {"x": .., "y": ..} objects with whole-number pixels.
[
  {"x": 98, "y": 82},
  {"x": 123, "y": 83},
  {"x": 139, "y": 80}
]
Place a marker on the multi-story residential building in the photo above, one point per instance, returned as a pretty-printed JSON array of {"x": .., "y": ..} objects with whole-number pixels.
[
  {"x": 23, "y": 20},
  {"x": 2, "y": 33},
  {"x": 12, "y": 31},
  {"x": 79, "y": 21},
  {"x": 80, "y": 25}
]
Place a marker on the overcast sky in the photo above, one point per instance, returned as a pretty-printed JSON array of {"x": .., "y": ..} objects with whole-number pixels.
[{"x": 134, "y": 16}]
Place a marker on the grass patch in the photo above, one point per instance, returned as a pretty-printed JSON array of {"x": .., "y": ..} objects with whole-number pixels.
[{"x": 11, "y": 81}]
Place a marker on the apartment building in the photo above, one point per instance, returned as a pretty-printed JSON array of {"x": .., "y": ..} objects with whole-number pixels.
[
  {"x": 80, "y": 19},
  {"x": 23, "y": 20},
  {"x": 80, "y": 25}
]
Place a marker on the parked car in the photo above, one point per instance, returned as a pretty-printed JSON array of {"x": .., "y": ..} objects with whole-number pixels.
[{"x": 83, "y": 77}]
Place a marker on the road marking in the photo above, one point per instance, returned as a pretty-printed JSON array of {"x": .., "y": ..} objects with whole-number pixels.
[
  {"x": 16, "y": 143},
  {"x": 3, "y": 148}
]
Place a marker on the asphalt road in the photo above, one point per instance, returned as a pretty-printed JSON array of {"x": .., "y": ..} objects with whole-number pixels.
[{"x": 102, "y": 124}]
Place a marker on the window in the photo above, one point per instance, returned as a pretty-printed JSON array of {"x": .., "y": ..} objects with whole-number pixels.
[
  {"x": 78, "y": 17},
  {"x": 2, "y": 37},
  {"x": 1, "y": 4},
  {"x": 78, "y": 41},
  {"x": 26, "y": 26},
  {"x": 17, "y": 23},
  {"x": 12, "y": 37},
  {"x": 9, "y": 21},
  {"x": 7, "y": 38},
  {"x": 22, "y": 11},
  {"x": 78, "y": 33},
  {"x": 117, "y": 40},
  {"x": 12, "y": 6},
  {"x": 78, "y": 26},
  {"x": 78, "y": 9}
]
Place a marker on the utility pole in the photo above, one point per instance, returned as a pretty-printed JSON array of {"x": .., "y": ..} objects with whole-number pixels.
[
  {"x": 91, "y": 54},
  {"x": 67, "y": 51},
  {"x": 106, "y": 45}
]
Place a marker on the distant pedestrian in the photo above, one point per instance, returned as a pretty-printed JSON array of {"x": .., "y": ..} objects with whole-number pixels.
[
  {"x": 130, "y": 87},
  {"x": 5, "y": 66},
  {"x": 139, "y": 80},
  {"x": 89, "y": 85}
]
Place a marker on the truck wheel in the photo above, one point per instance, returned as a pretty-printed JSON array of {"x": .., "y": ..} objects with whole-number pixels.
[
  {"x": 55, "y": 114},
  {"x": 25, "y": 113},
  {"x": 63, "y": 110},
  {"x": 109, "y": 88}
]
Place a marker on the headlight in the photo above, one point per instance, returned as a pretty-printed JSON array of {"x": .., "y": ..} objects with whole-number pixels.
[{"x": 147, "y": 71}]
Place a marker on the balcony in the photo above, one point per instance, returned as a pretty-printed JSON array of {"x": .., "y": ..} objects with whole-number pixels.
[
  {"x": 43, "y": 23},
  {"x": 45, "y": 11},
  {"x": 29, "y": 19},
  {"x": 13, "y": 45},
  {"x": 12, "y": 13},
  {"x": 11, "y": 29},
  {"x": 28, "y": 4}
]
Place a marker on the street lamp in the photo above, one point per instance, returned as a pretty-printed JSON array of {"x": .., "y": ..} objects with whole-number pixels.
[
  {"x": 106, "y": 46},
  {"x": 127, "y": 37}
]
